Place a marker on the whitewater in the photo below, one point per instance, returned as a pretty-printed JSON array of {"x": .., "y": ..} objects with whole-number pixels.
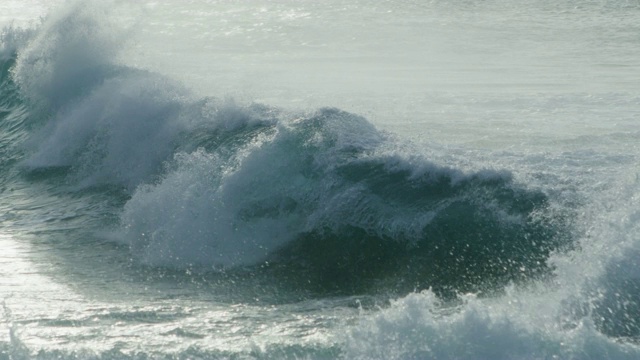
[{"x": 319, "y": 180}]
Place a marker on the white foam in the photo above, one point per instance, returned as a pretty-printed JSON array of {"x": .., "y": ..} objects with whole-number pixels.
[{"x": 513, "y": 327}]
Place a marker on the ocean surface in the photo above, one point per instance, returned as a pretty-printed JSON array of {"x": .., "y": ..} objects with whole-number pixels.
[{"x": 320, "y": 179}]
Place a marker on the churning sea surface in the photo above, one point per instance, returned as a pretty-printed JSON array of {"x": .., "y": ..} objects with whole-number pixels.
[{"x": 320, "y": 179}]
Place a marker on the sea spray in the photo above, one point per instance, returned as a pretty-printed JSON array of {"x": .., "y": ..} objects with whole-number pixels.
[{"x": 70, "y": 53}]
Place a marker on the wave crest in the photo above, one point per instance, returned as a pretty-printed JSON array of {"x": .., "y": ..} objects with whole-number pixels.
[{"x": 318, "y": 200}]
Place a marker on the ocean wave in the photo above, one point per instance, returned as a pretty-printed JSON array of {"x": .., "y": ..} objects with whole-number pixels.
[
  {"x": 323, "y": 198},
  {"x": 323, "y": 195},
  {"x": 513, "y": 254}
]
